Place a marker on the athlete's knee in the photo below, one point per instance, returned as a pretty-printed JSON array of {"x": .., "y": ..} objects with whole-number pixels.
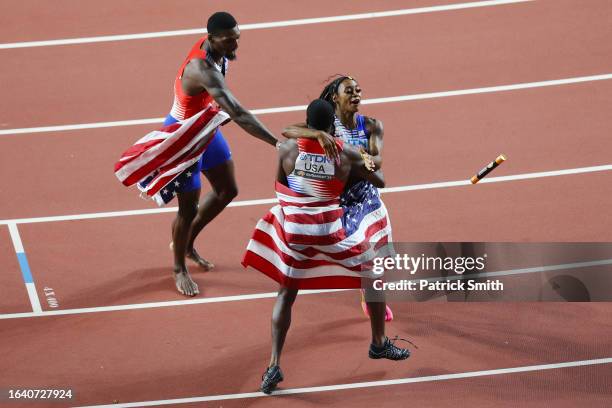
[
  {"x": 287, "y": 295},
  {"x": 187, "y": 210},
  {"x": 228, "y": 193},
  {"x": 231, "y": 192},
  {"x": 281, "y": 314}
]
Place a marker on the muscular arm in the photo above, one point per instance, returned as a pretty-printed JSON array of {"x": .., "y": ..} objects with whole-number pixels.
[
  {"x": 287, "y": 154},
  {"x": 300, "y": 130},
  {"x": 358, "y": 169},
  {"x": 376, "y": 130},
  {"x": 326, "y": 140},
  {"x": 214, "y": 83}
]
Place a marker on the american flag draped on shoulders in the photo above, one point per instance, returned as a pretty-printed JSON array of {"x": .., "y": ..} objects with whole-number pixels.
[
  {"x": 156, "y": 161},
  {"x": 309, "y": 242}
]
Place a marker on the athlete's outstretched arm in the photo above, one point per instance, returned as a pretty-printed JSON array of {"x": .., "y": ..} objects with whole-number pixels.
[
  {"x": 327, "y": 141},
  {"x": 214, "y": 83}
]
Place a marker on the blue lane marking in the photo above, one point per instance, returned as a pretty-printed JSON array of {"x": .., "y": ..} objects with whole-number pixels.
[{"x": 25, "y": 268}]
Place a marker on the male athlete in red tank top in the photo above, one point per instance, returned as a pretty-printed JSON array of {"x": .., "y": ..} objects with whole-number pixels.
[
  {"x": 185, "y": 106},
  {"x": 200, "y": 81}
]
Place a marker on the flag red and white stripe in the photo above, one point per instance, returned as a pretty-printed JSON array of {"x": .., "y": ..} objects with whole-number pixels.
[
  {"x": 163, "y": 154},
  {"x": 304, "y": 242}
]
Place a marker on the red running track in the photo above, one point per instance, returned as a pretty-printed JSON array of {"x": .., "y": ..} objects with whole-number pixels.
[{"x": 221, "y": 348}]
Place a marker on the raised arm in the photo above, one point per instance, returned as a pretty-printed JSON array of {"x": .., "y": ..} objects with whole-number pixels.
[
  {"x": 327, "y": 141},
  {"x": 214, "y": 83}
]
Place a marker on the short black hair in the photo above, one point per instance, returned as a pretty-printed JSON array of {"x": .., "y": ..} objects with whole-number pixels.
[
  {"x": 220, "y": 21},
  {"x": 320, "y": 115}
]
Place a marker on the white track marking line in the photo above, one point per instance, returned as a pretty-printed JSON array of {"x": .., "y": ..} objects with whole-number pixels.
[
  {"x": 257, "y": 26},
  {"x": 25, "y": 269},
  {"x": 153, "y": 305},
  {"x": 520, "y": 271},
  {"x": 246, "y": 203},
  {"x": 392, "y": 99},
  {"x": 81, "y": 126},
  {"x": 369, "y": 384},
  {"x": 15, "y": 237},
  {"x": 271, "y": 295}
]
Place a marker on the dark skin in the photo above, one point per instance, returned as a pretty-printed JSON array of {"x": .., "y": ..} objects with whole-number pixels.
[
  {"x": 348, "y": 101},
  {"x": 326, "y": 140},
  {"x": 201, "y": 76},
  {"x": 350, "y": 165}
]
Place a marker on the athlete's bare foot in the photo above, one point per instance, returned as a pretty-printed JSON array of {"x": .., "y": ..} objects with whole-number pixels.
[
  {"x": 203, "y": 263},
  {"x": 195, "y": 257},
  {"x": 184, "y": 284}
]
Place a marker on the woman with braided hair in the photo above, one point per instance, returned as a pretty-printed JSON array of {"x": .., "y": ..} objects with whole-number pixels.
[{"x": 344, "y": 93}]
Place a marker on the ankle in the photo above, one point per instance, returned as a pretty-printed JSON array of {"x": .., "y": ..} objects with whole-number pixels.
[
  {"x": 178, "y": 269},
  {"x": 379, "y": 341}
]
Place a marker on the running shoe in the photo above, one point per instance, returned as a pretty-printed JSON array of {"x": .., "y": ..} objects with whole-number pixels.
[
  {"x": 270, "y": 379},
  {"x": 389, "y": 351}
]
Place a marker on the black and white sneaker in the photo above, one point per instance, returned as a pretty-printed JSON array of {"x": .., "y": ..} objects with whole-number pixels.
[
  {"x": 389, "y": 350},
  {"x": 270, "y": 379}
]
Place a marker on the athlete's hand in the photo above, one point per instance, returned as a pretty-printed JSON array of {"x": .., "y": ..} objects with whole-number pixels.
[
  {"x": 328, "y": 143},
  {"x": 367, "y": 159}
]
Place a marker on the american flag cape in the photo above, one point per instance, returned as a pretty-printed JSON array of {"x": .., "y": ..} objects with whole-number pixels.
[
  {"x": 156, "y": 160},
  {"x": 316, "y": 243}
]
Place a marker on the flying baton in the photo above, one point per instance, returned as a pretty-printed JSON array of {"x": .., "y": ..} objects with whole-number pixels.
[{"x": 489, "y": 168}]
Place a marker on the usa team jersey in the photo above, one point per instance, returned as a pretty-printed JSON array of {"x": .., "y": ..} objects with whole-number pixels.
[
  {"x": 356, "y": 137},
  {"x": 185, "y": 106},
  {"x": 314, "y": 173}
]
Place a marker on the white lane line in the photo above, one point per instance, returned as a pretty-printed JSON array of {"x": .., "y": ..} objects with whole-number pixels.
[
  {"x": 296, "y": 108},
  {"x": 152, "y": 305},
  {"x": 369, "y": 384},
  {"x": 112, "y": 214},
  {"x": 498, "y": 179},
  {"x": 520, "y": 271},
  {"x": 284, "y": 109},
  {"x": 15, "y": 237},
  {"x": 26, "y": 274},
  {"x": 269, "y": 295},
  {"x": 257, "y": 26},
  {"x": 81, "y": 126},
  {"x": 246, "y": 203}
]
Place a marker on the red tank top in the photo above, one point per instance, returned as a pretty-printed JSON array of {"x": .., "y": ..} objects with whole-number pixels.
[
  {"x": 315, "y": 174},
  {"x": 185, "y": 106}
]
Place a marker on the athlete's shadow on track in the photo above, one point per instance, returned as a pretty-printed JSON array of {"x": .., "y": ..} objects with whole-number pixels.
[
  {"x": 248, "y": 363},
  {"x": 498, "y": 331},
  {"x": 131, "y": 286}
]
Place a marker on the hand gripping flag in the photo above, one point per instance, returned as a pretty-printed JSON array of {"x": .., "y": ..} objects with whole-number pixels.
[{"x": 157, "y": 160}]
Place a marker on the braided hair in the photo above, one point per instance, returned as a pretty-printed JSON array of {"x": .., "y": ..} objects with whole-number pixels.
[{"x": 331, "y": 89}]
